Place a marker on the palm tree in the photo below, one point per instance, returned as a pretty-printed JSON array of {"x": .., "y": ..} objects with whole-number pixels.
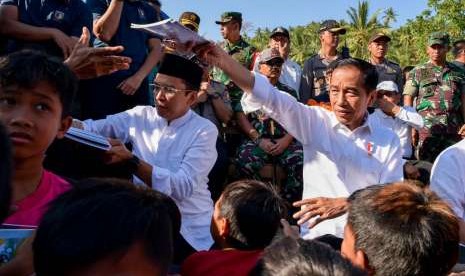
[
  {"x": 361, "y": 26},
  {"x": 389, "y": 17}
]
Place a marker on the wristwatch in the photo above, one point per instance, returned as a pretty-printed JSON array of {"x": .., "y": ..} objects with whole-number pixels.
[{"x": 133, "y": 163}]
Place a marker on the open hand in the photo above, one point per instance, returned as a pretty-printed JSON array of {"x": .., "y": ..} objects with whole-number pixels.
[
  {"x": 87, "y": 62},
  {"x": 320, "y": 208}
]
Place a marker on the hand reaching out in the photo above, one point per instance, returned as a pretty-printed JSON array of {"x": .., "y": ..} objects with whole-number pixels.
[{"x": 87, "y": 62}]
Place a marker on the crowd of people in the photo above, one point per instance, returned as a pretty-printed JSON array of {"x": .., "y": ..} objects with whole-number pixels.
[{"x": 224, "y": 160}]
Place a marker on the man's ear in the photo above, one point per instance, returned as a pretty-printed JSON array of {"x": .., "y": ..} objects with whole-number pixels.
[
  {"x": 192, "y": 97},
  {"x": 362, "y": 261},
  {"x": 224, "y": 228},
  {"x": 65, "y": 124},
  {"x": 372, "y": 97}
]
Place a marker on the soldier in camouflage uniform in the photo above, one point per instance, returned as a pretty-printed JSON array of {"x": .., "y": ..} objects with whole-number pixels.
[
  {"x": 269, "y": 142},
  {"x": 439, "y": 88},
  {"x": 387, "y": 70},
  {"x": 238, "y": 48}
]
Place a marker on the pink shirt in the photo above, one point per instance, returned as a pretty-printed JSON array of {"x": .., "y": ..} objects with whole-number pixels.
[{"x": 31, "y": 208}]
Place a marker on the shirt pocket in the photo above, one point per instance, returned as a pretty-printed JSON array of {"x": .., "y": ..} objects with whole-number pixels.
[{"x": 427, "y": 87}]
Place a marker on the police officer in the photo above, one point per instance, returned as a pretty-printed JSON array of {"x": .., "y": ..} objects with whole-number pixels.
[
  {"x": 387, "y": 70},
  {"x": 439, "y": 89},
  {"x": 313, "y": 83}
]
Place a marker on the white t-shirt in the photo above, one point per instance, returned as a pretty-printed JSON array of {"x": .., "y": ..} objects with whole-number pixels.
[{"x": 337, "y": 161}]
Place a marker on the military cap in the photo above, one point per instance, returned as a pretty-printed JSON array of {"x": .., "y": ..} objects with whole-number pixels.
[
  {"x": 228, "y": 16},
  {"x": 331, "y": 26},
  {"x": 280, "y": 31},
  {"x": 441, "y": 38},
  {"x": 378, "y": 36},
  {"x": 269, "y": 54},
  {"x": 190, "y": 19}
]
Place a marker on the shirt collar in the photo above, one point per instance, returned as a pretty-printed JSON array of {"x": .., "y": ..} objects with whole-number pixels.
[
  {"x": 367, "y": 124},
  {"x": 178, "y": 122}
]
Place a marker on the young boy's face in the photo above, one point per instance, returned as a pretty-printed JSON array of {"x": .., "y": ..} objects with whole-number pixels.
[{"x": 33, "y": 117}]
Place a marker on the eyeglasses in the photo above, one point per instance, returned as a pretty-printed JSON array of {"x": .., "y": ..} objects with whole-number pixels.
[{"x": 168, "y": 90}]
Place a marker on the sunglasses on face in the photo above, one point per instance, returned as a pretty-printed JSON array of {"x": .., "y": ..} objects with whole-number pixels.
[{"x": 274, "y": 63}]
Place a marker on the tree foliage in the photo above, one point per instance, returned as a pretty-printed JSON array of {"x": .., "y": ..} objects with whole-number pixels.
[{"x": 409, "y": 41}]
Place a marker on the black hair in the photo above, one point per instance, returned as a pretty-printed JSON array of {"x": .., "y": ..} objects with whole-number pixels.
[
  {"x": 254, "y": 210},
  {"x": 370, "y": 76},
  {"x": 155, "y": 2},
  {"x": 298, "y": 257},
  {"x": 5, "y": 173},
  {"x": 27, "y": 68},
  {"x": 458, "y": 47},
  {"x": 407, "y": 69},
  {"x": 101, "y": 218},
  {"x": 404, "y": 229}
]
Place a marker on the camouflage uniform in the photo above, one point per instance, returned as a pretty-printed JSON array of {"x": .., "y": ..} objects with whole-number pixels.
[
  {"x": 242, "y": 52},
  {"x": 438, "y": 91},
  {"x": 251, "y": 158}
]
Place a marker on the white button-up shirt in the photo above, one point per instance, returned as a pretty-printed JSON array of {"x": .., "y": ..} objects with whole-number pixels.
[
  {"x": 291, "y": 73},
  {"x": 448, "y": 177},
  {"x": 181, "y": 153},
  {"x": 401, "y": 124},
  {"x": 337, "y": 161}
]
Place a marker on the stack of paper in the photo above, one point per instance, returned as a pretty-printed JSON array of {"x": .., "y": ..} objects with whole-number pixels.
[
  {"x": 88, "y": 138},
  {"x": 171, "y": 29}
]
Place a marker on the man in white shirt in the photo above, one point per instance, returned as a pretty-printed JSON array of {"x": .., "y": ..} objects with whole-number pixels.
[
  {"x": 290, "y": 71},
  {"x": 448, "y": 180},
  {"x": 173, "y": 147},
  {"x": 399, "y": 119},
  {"x": 343, "y": 151}
]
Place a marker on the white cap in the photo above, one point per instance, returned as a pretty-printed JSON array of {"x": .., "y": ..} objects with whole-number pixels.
[{"x": 387, "y": 86}]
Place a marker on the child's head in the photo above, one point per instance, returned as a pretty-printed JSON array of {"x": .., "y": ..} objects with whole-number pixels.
[
  {"x": 36, "y": 94},
  {"x": 289, "y": 257},
  {"x": 247, "y": 215},
  {"x": 389, "y": 91},
  {"x": 107, "y": 227}
]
